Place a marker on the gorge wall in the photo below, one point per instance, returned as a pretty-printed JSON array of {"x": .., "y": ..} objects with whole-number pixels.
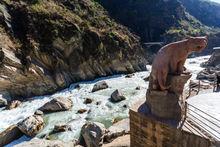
[{"x": 48, "y": 44}]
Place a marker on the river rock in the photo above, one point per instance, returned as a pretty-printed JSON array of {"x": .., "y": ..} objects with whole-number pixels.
[
  {"x": 10, "y": 134},
  {"x": 31, "y": 125},
  {"x": 117, "y": 96},
  {"x": 45, "y": 143},
  {"x": 93, "y": 134},
  {"x": 138, "y": 88},
  {"x": 129, "y": 75},
  {"x": 118, "y": 129},
  {"x": 38, "y": 112},
  {"x": 61, "y": 128},
  {"x": 99, "y": 86},
  {"x": 13, "y": 104},
  {"x": 147, "y": 78},
  {"x": 87, "y": 101},
  {"x": 57, "y": 104},
  {"x": 3, "y": 102},
  {"x": 81, "y": 111}
]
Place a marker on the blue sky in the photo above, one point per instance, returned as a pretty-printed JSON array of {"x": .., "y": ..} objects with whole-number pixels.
[{"x": 216, "y": 1}]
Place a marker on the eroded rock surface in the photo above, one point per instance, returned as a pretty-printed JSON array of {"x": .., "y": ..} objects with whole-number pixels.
[
  {"x": 13, "y": 104},
  {"x": 10, "y": 134},
  {"x": 47, "y": 45},
  {"x": 57, "y": 104},
  {"x": 93, "y": 134},
  {"x": 31, "y": 125},
  {"x": 118, "y": 129},
  {"x": 117, "y": 96},
  {"x": 99, "y": 86}
]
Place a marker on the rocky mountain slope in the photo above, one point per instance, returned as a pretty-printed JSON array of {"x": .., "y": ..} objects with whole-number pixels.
[
  {"x": 48, "y": 44},
  {"x": 160, "y": 20},
  {"x": 205, "y": 11}
]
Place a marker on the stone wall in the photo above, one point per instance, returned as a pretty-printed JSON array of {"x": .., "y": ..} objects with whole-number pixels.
[{"x": 148, "y": 132}]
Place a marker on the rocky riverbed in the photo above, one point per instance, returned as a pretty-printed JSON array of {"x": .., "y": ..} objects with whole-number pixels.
[{"x": 96, "y": 106}]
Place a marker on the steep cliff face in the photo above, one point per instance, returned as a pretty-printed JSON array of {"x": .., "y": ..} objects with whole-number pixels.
[
  {"x": 160, "y": 20},
  {"x": 48, "y": 44},
  {"x": 205, "y": 11},
  {"x": 151, "y": 20}
]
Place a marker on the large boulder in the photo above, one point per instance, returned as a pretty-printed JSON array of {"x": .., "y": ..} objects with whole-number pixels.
[
  {"x": 214, "y": 60},
  {"x": 118, "y": 129},
  {"x": 31, "y": 125},
  {"x": 122, "y": 141},
  {"x": 57, "y": 104},
  {"x": 10, "y": 134},
  {"x": 93, "y": 134},
  {"x": 99, "y": 86},
  {"x": 117, "y": 96},
  {"x": 45, "y": 143}
]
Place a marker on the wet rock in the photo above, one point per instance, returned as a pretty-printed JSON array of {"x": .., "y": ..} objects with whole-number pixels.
[
  {"x": 38, "y": 112},
  {"x": 125, "y": 106},
  {"x": 129, "y": 75},
  {"x": 93, "y": 134},
  {"x": 99, "y": 86},
  {"x": 146, "y": 78},
  {"x": 3, "y": 102},
  {"x": 10, "y": 134},
  {"x": 77, "y": 86},
  {"x": 87, "y": 101},
  {"x": 61, "y": 128},
  {"x": 117, "y": 96},
  {"x": 98, "y": 103},
  {"x": 57, "y": 104},
  {"x": 45, "y": 143},
  {"x": 31, "y": 125},
  {"x": 13, "y": 104},
  {"x": 138, "y": 88},
  {"x": 120, "y": 128},
  {"x": 81, "y": 111}
]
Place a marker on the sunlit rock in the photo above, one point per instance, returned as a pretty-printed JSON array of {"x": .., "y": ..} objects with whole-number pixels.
[
  {"x": 99, "y": 86},
  {"x": 31, "y": 125},
  {"x": 81, "y": 111},
  {"x": 57, "y": 104},
  {"x": 13, "y": 104},
  {"x": 61, "y": 128},
  {"x": 117, "y": 96},
  {"x": 118, "y": 129},
  {"x": 10, "y": 134},
  {"x": 93, "y": 134}
]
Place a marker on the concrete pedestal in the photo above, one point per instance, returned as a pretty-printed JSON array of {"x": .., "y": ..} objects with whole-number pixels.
[
  {"x": 146, "y": 131},
  {"x": 168, "y": 104}
]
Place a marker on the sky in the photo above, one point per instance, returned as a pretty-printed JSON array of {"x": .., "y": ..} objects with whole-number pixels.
[{"x": 218, "y": 1}]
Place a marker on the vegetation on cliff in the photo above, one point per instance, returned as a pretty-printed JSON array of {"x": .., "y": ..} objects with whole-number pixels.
[
  {"x": 57, "y": 42},
  {"x": 160, "y": 20}
]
